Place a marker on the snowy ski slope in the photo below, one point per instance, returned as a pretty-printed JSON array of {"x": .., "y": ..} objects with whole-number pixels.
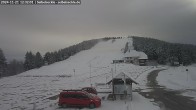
[{"x": 35, "y": 89}]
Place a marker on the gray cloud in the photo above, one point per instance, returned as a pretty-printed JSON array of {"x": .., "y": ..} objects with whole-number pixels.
[{"x": 48, "y": 28}]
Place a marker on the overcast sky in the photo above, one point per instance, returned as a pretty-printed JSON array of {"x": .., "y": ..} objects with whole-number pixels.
[{"x": 47, "y": 28}]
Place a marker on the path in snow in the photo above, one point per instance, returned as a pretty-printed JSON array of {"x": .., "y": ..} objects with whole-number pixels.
[{"x": 164, "y": 97}]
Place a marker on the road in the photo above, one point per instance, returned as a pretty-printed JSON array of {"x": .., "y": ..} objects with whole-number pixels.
[{"x": 166, "y": 99}]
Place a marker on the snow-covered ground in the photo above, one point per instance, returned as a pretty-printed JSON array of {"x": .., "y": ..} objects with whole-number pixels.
[
  {"x": 178, "y": 78},
  {"x": 35, "y": 89}
]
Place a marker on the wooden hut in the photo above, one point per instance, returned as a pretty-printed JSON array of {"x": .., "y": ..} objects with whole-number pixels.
[{"x": 121, "y": 85}]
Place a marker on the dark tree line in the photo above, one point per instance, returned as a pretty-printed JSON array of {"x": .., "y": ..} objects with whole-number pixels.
[
  {"x": 33, "y": 61},
  {"x": 36, "y": 61},
  {"x": 3, "y": 64},
  {"x": 12, "y": 68},
  {"x": 165, "y": 52}
]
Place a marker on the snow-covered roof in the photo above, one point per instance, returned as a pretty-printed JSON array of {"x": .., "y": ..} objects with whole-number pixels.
[
  {"x": 143, "y": 55},
  {"x": 122, "y": 75},
  {"x": 134, "y": 53}
]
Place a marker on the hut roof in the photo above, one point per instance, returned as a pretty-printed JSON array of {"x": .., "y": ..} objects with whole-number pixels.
[{"x": 122, "y": 75}]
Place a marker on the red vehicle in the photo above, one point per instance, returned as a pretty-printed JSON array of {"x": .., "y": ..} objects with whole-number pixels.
[
  {"x": 78, "y": 98},
  {"x": 90, "y": 90}
]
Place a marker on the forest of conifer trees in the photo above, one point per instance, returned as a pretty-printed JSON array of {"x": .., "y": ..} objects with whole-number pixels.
[{"x": 165, "y": 52}]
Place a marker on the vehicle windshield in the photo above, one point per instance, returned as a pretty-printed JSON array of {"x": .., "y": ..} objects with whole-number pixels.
[
  {"x": 90, "y": 95},
  {"x": 93, "y": 95}
]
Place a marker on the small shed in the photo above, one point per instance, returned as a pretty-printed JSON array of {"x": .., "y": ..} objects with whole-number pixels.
[{"x": 122, "y": 85}]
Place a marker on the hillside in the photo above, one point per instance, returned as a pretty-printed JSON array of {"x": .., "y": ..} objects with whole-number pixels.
[
  {"x": 165, "y": 52},
  {"x": 34, "y": 88}
]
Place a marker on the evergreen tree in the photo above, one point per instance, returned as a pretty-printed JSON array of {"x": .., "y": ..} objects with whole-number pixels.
[
  {"x": 3, "y": 64},
  {"x": 29, "y": 61},
  {"x": 38, "y": 60},
  {"x": 47, "y": 58},
  {"x": 126, "y": 47},
  {"x": 52, "y": 58},
  {"x": 56, "y": 57},
  {"x": 186, "y": 59}
]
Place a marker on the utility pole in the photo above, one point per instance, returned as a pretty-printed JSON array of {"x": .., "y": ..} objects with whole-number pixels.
[
  {"x": 73, "y": 80},
  {"x": 187, "y": 74},
  {"x": 125, "y": 90},
  {"x": 115, "y": 68},
  {"x": 74, "y": 73},
  {"x": 90, "y": 76},
  {"x": 112, "y": 82},
  {"x": 113, "y": 96}
]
